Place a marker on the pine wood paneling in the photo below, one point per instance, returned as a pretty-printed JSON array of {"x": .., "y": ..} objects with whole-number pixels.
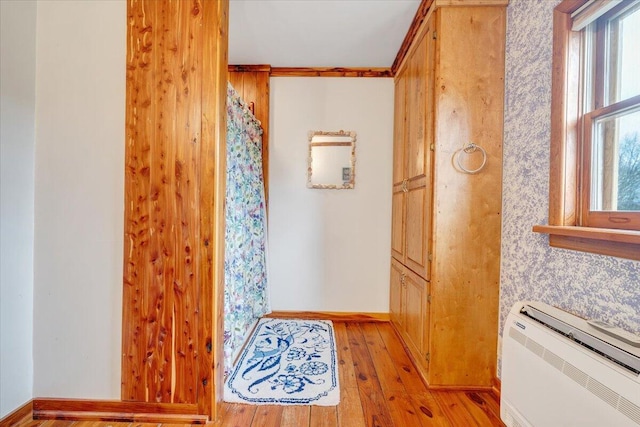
[
  {"x": 175, "y": 127},
  {"x": 212, "y": 176},
  {"x": 139, "y": 134}
]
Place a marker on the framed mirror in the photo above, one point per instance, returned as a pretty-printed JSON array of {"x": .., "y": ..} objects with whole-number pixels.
[{"x": 332, "y": 160}]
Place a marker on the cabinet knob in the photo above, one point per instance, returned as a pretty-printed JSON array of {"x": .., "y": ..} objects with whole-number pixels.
[{"x": 404, "y": 186}]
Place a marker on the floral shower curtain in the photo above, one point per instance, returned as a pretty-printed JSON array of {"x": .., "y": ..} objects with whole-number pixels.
[{"x": 245, "y": 272}]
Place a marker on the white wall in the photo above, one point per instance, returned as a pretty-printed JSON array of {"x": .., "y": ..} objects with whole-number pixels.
[
  {"x": 17, "y": 144},
  {"x": 79, "y": 180},
  {"x": 329, "y": 249}
]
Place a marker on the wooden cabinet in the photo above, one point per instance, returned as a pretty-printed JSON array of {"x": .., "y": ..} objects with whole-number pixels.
[{"x": 449, "y": 92}]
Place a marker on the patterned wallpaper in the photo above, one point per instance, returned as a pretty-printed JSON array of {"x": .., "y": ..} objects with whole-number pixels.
[{"x": 591, "y": 286}]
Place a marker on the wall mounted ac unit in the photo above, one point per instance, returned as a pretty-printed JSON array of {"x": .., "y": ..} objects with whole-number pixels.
[{"x": 559, "y": 370}]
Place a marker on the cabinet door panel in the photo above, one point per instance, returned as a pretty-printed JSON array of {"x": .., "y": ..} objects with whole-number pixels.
[
  {"x": 416, "y": 137},
  {"x": 399, "y": 129},
  {"x": 397, "y": 224},
  {"x": 417, "y": 230},
  {"x": 416, "y": 297},
  {"x": 395, "y": 297}
]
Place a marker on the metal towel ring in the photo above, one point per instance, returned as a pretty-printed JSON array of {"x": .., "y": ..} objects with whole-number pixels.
[{"x": 468, "y": 149}]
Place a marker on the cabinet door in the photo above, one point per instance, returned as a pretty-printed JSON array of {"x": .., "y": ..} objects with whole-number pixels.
[
  {"x": 399, "y": 128},
  {"x": 398, "y": 212},
  {"x": 417, "y": 110},
  {"x": 396, "y": 294},
  {"x": 417, "y": 226},
  {"x": 416, "y": 308},
  {"x": 420, "y": 157},
  {"x": 398, "y": 240}
]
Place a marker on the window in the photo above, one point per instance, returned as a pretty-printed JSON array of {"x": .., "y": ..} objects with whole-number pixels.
[{"x": 595, "y": 130}]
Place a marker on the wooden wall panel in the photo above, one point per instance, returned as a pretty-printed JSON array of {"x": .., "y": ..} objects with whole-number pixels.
[
  {"x": 213, "y": 154},
  {"x": 139, "y": 134},
  {"x": 174, "y": 198}
]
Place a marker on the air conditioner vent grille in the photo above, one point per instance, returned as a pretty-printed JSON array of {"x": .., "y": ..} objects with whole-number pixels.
[
  {"x": 598, "y": 389},
  {"x": 603, "y": 392},
  {"x": 575, "y": 374},
  {"x": 553, "y": 360},
  {"x": 629, "y": 409},
  {"x": 518, "y": 336}
]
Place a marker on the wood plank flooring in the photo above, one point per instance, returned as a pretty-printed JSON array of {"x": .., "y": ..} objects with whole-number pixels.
[{"x": 379, "y": 387}]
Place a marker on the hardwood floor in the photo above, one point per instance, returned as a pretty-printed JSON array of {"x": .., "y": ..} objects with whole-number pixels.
[{"x": 379, "y": 387}]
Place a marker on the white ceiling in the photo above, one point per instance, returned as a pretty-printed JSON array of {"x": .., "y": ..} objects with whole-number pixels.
[{"x": 318, "y": 33}]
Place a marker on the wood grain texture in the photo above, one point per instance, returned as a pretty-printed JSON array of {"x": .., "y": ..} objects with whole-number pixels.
[
  {"x": 414, "y": 200},
  {"x": 467, "y": 208},
  {"x": 346, "y": 372},
  {"x": 468, "y": 408},
  {"x": 350, "y": 411},
  {"x": 100, "y": 410},
  {"x": 212, "y": 176},
  {"x": 323, "y": 416},
  {"x": 294, "y": 416},
  {"x": 398, "y": 201},
  {"x": 138, "y": 133},
  {"x": 337, "y": 316},
  {"x": 330, "y": 72},
  {"x": 268, "y": 416},
  {"x": 175, "y": 122},
  {"x": 374, "y": 408},
  {"x": 236, "y": 415},
  {"x": 385, "y": 366},
  {"x": 18, "y": 415},
  {"x": 248, "y": 68}
]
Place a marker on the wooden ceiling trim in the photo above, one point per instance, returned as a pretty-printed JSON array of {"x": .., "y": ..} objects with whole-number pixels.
[
  {"x": 240, "y": 68},
  {"x": 330, "y": 72}
]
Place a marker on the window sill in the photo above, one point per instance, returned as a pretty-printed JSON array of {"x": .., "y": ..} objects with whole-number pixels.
[{"x": 604, "y": 241}]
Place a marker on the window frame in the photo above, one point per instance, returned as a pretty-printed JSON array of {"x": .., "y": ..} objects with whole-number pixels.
[{"x": 565, "y": 228}]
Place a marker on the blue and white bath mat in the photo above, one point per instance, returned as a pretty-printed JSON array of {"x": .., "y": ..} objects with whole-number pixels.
[{"x": 287, "y": 362}]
